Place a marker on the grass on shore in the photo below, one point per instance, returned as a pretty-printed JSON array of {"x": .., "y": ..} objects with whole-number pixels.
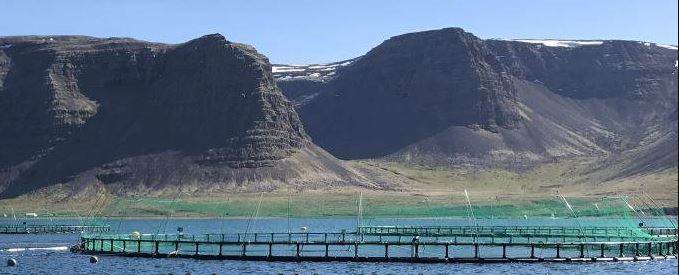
[
  {"x": 345, "y": 204},
  {"x": 434, "y": 192}
]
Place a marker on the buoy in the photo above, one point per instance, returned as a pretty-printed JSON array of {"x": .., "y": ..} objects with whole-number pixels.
[
  {"x": 11, "y": 262},
  {"x": 94, "y": 259},
  {"x": 135, "y": 235},
  {"x": 303, "y": 228}
]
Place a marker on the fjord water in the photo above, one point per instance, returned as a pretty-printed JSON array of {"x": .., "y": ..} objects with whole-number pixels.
[{"x": 46, "y": 254}]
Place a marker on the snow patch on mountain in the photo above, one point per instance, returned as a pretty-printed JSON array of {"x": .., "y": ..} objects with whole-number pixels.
[
  {"x": 667, "y": 47},
  {"x": 316, "y": 72},
  {"x": 561, "y": 43}
]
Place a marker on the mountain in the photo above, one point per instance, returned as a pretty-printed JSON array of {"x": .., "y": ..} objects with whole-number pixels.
[
  {"x": 78, "y": 114},
  {"x": 447, "y": 97},
  {"x": 148, "y": 118}
]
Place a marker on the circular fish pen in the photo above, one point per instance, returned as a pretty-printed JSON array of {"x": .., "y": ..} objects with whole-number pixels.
[
  {"x": 52, "y": 228},
  {"x": 614, "y": 230},
  {"x": 402, "y": 244}
]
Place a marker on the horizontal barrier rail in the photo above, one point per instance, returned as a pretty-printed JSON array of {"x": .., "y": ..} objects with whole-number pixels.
[{"x": 519, "y": 231}]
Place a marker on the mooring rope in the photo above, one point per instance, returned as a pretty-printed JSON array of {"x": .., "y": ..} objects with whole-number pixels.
[
  {"x": 659, "y": 210},
  {"x": 254, "y": 214}
]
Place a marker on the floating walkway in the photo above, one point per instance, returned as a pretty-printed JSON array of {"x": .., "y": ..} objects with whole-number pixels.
[
  {"x": 51, "y": 229},
  {"x": 371, "y": 244}
]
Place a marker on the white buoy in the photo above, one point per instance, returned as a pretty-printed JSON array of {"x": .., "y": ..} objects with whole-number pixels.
[
  {"x": 303, "y": 228},
  {"x": 11, "y": 262},
  {"x": 94, "y": 259},
  {"x": 135, "y": 235}
]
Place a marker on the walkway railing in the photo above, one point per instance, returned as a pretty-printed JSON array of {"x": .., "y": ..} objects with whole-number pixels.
[
  {"x": 597, "y": 233},
  {"x": 357, "y": 247}
]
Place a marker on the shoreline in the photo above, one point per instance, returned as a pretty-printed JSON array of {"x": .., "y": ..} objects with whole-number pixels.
[{"x": 316, "y": 218}]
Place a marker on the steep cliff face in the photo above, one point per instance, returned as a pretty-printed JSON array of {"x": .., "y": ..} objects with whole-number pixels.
[
  {"x": 603, "y": 69},
  {"x": 447, "y": 97},
  {"x": 140, "y": 116}
]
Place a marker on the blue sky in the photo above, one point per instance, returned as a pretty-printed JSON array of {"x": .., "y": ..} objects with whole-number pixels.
[{"x": 305, "y": 31}]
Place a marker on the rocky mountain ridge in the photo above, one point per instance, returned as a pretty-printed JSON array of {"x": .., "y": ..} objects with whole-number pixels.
[
  {"x": 447, "y": 97},
  {"x": 210, "y": 115},
  {"x": 142, "y": 117}
]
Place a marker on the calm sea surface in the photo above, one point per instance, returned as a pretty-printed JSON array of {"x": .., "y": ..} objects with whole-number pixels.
[{"x": 46, "y": 254}]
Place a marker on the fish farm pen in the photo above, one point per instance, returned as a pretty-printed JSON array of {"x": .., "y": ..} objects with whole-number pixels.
[
  {"x": 632, "y": 236},
  {"x": 51, "y": 228},
  {"x": 458, "y": 244}
]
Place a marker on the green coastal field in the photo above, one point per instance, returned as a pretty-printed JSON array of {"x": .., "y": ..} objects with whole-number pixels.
[
  {"x": 346, "y": 204},
  {"x": 432, "y": 192}
]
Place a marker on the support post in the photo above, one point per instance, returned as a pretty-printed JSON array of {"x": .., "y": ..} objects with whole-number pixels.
[
  {"x": 582, "y": 250},
  {"x": 447, "y": 249},
  {"x": 660, "y": 250},
  {"x": 620, "y": 250},
  {"x": 196, "y": 249},
  {"x": 558, "y": 251}
]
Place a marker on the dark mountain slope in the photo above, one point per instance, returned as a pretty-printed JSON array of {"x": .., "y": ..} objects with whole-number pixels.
[
  {"x": 447, "y": 97},
  {"x": 405, "y": 90},
  {"x": 139, "y": 117}
]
